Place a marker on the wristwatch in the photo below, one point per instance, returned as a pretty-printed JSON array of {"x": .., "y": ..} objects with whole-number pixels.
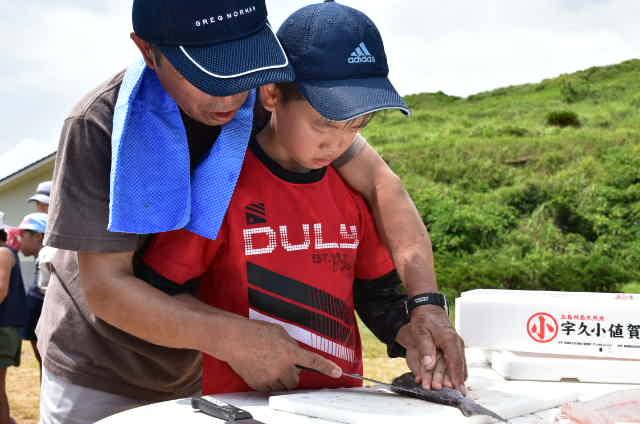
[
  {"x": 438, "y": 299},
  {"x": 395, "y": 350}
]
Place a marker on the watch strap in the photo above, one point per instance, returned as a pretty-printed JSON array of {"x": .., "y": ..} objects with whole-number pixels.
[{"x": 438, "y": 299}]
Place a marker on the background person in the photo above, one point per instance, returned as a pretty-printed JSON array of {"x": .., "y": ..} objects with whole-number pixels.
[
  {"x": 32, "y": 230},
  {"x": 12, "y": 307},
  {"x": 41, "y": 197}
]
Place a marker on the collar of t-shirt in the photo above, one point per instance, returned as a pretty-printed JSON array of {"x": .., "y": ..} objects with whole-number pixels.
[
  {"x": 201, "y": 138},
  {"x": 312, "y": 176}
]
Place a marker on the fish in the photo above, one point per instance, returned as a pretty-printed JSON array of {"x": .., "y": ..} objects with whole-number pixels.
[{"x": 406, "y": 385}]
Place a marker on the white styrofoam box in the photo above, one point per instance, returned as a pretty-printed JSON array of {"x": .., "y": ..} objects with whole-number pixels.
[
  {"x": 477, "y": 358},
  {"x": 561, "y": 323},
  {"x": 376, "y": 406},
  {"x": 535, "y": 366}
]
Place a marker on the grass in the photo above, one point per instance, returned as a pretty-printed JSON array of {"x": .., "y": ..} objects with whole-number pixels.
[
  {"x": 514, "y": 201},
  {"x": 23, "y": 388},
  {"x": 23, "y": 384}
]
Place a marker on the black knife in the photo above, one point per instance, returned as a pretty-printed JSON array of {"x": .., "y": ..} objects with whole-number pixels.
[{"x": 222, "y": 410}]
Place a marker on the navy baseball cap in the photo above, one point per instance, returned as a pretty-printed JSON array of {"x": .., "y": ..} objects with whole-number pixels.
[
  {"x": 339, "y": 61},
  {"x": 222, "y": 47}
]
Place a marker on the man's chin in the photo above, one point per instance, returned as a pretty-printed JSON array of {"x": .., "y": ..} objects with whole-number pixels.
[
  {"x": 224, "y": 117},
  {"x": 216, "y": 119}
]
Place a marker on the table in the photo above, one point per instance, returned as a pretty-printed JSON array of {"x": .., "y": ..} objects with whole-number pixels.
[{"x": 480, "y": 374}]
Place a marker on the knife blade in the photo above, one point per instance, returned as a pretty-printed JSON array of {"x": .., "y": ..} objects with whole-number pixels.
[
  {"x": 222, "y": 410},
  {"x": 387, "y": 386}
]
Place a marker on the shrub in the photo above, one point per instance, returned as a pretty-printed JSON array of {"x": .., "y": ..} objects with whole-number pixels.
[
  {"x": 563, "y": 119},
  {"x": 574, "y": 90},
  {"x": 514, "y": 131},
  {"x": 571, "y": 221},
  {"x": 465, "y": 229},
  {"x": 525, "y": 198}
]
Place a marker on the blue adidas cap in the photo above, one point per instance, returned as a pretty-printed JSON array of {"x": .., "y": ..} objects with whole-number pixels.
[
  {"x": 223, "y": 47},
  {"x": 339, "y": 60}
]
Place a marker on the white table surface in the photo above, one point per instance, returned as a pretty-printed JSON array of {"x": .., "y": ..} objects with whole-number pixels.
[{"x": 257, "y": 404}]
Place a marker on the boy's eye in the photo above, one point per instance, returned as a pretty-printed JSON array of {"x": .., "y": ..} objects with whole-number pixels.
[{"x": 323, "y": 125}]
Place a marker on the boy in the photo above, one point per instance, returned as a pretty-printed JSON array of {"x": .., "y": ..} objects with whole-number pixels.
[{"x": 296, "y": 237}]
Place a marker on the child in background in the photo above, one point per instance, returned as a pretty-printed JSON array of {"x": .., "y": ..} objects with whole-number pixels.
[{"x": 32, "y": 230}]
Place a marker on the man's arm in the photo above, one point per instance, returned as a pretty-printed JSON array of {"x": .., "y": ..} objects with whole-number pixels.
[
  {"x": 262, "y": 354},
  {"x": 406, "y": 236},
  {"x": 7, "y": 262}
]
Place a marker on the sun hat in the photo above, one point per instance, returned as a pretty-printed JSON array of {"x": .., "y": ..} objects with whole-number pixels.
[
  {"x": 36, "y": 221},
  {"x": 42, "y": 193}
]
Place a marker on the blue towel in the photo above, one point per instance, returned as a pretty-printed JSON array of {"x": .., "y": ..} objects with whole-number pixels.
[{"x": 152, "y": 190}]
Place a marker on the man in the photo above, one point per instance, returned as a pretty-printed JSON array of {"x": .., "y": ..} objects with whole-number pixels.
[
  {"x": 35, "y": 294},
  {"x": 41, "y": 197},
  {"x": 110, "y": 341}
]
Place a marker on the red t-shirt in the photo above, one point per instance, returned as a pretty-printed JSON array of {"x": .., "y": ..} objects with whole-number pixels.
[{"x": 288, "y": 253}]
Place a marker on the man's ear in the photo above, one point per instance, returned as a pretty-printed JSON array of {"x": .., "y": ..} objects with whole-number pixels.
[
  {"x": 270, "y": 96},
  {"x": 146, "y": 49}
]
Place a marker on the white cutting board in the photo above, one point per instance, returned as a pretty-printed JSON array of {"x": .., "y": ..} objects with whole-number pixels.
[{"x": 376, "y": 406}]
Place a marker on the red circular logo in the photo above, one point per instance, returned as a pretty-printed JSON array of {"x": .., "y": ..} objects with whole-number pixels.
[{"x": 542, "y": 327}]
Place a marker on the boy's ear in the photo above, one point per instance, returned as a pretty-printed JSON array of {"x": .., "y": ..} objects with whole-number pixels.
[{"x": 270, "y": 96}]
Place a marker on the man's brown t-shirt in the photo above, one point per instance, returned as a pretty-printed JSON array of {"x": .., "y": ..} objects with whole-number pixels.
[{"x": 75, "y": 344}]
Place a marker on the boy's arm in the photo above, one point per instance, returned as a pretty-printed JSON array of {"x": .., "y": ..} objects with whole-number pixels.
[
  {"x": 404, "y": 232},
  {"x": 7, "y": 262}
]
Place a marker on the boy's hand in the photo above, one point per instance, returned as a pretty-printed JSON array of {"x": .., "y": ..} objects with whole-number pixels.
[
  {"x": 265, "y": 356},
  {"x": 432, "y": 332}
]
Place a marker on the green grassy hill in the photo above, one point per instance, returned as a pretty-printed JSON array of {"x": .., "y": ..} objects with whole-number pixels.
[{"x": 527, "y": 187}]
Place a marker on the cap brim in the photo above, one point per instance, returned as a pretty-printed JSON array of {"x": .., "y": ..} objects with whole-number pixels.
[
  {"x": 234, "y": 66},
  {"x": 39, "y": 198},
  {"x": 349, "y": 99}
]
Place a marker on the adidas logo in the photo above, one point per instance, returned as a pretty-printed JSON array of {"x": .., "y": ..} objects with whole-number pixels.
[
  {"x": 256, "y": 214},
  {"x": 361, "y": 55}
]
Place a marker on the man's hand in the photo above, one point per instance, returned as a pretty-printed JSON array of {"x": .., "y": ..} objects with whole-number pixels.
[
  {"x": 432, "y": 332},
  {"x": 436, "y": 379},
  {"x": 265, "y": 356}
]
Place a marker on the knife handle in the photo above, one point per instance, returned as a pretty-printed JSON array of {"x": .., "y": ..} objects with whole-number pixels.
[{"x": 218, "y": 409}]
